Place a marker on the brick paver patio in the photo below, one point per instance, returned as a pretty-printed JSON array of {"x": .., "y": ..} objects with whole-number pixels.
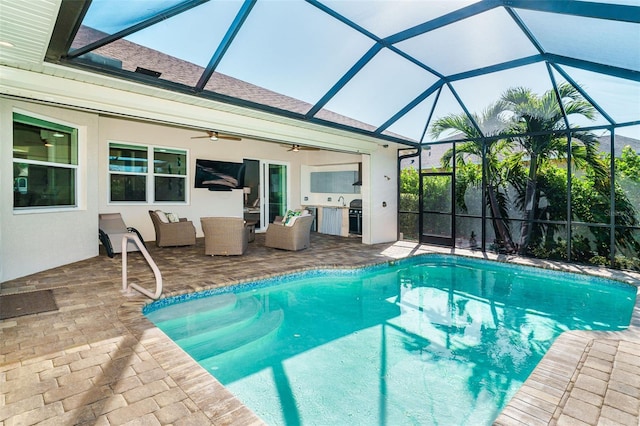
[{"x": 97, "y": 360}]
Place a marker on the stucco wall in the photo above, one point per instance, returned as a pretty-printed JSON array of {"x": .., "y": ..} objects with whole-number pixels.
[
  {"x": 202, "y": 202},
  {"x": 43, "y": 239},
  {"x": 36, "y": 241},
  {"x": 380, "y": 196}
]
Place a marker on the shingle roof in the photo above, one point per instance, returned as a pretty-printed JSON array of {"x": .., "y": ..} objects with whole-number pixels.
[{"x": 131, "y": 56}]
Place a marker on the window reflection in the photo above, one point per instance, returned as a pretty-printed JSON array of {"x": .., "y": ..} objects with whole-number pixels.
[
  {"x": 126, "y": 158},
  {"x": 45, "y": 156},
  {"x": 132, "y": 180}
]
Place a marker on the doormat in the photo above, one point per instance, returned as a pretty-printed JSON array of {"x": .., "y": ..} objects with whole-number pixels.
[{"x": 15, "y": 305}]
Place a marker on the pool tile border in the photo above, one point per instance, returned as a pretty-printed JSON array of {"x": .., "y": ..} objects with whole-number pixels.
[{"x": 311, "y": 272}]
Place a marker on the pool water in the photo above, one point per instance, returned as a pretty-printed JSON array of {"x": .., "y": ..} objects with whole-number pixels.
[{"x": 434, "y": 339}]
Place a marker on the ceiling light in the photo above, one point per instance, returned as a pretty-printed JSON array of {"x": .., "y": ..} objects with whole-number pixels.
[
  {"x": 48, "y": 144},
  {"x": 214, "y": 136},
  {"x": 58, "y": 135},
  {"x": 6, "y": 44},
  {"x": 296, "y": 148}
]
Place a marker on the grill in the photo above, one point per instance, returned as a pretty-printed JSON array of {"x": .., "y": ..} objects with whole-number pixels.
[{"x": 355, "y": 217}]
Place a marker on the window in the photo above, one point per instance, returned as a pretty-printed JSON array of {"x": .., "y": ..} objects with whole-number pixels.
[
  {"x": 131, "y": 179},
  {"x": 45, "y": 163}
]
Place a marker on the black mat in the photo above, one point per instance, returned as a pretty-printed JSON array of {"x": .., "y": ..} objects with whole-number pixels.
[{"x": 15, "y": 305}]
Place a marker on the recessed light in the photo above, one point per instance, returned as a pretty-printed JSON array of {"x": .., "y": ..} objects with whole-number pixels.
[{"x": 6, "y": 44}]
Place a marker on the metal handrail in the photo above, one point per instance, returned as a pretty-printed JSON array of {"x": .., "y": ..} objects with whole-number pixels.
[{"x": 126, "y": 288}]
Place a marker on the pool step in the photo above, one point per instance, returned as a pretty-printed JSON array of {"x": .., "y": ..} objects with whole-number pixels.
[
  {"x": 213, "y": 322},
  {"x": 236, "y": 337},
  {"x": 175, "y": 313}
]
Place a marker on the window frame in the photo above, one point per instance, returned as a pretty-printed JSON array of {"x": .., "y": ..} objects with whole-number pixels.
[
  {"x": 150, "y": 175},
  {"x": 75, "y": 168}
]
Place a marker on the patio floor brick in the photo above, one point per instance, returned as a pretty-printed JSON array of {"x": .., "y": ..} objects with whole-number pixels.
[{"x": 98, "y": 360}]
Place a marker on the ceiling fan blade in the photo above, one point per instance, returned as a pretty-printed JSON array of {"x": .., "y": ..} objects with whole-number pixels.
[
  {"x": 296, "y": 147},
  {"x": 229, "y": 137},
  {"x": 215, "y": 136},
  {"x": 291, "y": 147}
]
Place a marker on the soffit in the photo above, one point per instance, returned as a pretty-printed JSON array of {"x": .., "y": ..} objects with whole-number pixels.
[{"x": 27, "y": 25}]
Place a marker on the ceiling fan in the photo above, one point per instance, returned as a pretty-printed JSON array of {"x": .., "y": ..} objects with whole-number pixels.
[
  {"x": 214, "y": 136},
  {"x": 295, "y": 148}
]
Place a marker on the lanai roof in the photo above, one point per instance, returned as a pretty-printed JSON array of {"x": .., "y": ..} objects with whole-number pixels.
[{"x": 383, "y": 68}]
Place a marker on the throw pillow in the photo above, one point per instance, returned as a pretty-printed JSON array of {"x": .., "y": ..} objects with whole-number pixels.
[
  {"x": 292, "y": 217},
  {"x": 286, "y": 216},
  {"x": 173, "y": 218},
  {"x": 163, "y": 217}
]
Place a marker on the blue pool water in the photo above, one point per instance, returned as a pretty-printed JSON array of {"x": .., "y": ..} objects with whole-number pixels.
[{"x": 431, "y": 340}]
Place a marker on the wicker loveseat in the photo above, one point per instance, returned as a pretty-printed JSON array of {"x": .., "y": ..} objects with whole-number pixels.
[
  {"x": 224, "y": 235},
  {"x": 294, "y": 236},
  {"x": 168, "y": 234}
]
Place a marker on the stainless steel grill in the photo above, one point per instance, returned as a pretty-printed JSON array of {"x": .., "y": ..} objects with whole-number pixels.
[{"x": 355, "y": 217}]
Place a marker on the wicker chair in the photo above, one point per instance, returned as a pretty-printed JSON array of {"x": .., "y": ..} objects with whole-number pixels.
[
  {"x": 169, "y": 234},
  {"x": 295, "y": 237},
  {"x": 224, "y": 235}
]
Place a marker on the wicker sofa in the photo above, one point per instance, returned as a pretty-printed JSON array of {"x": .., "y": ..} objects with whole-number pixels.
[
  {"x": 169, "y": 234},
  {"x": 290, "y": 237},
  {"x": 224, "y": 236}
]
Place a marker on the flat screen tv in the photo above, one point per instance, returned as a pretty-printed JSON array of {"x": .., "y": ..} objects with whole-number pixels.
[{"x": 219, "y": 175}]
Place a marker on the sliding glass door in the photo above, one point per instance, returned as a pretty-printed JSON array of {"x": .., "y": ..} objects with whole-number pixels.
[
  {"x": 277, "y": 195},
  {"x": 266, "y": 191}
]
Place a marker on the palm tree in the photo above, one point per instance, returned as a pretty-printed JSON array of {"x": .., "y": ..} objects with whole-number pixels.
[
  {"x": 477, "y": 128},
  {"x": 541, "y": 120}
]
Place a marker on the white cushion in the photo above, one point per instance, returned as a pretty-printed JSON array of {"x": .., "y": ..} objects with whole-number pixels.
[
  {"x": 163, "y": 217},
  {"x": 173, "y": 218}
]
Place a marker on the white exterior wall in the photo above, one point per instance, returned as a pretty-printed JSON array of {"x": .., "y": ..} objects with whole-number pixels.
[
  {"x": 43, "y": 239},
  {"x": 201, "y": 202},
  {"x": 32, "y": 242},
  {"x": 380, "y": 196}
]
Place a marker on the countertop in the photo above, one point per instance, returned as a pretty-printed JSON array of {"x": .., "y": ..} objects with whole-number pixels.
[{"x": 326, "y": 206}]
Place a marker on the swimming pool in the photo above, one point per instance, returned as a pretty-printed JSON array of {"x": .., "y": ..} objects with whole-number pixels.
[{"x": 428, "y": 340}]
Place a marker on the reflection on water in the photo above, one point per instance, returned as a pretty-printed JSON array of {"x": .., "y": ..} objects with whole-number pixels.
[{"x": 435, "y": 340}]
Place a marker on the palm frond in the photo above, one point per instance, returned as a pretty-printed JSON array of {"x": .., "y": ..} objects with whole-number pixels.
[{"x": 459, "y": 122}]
